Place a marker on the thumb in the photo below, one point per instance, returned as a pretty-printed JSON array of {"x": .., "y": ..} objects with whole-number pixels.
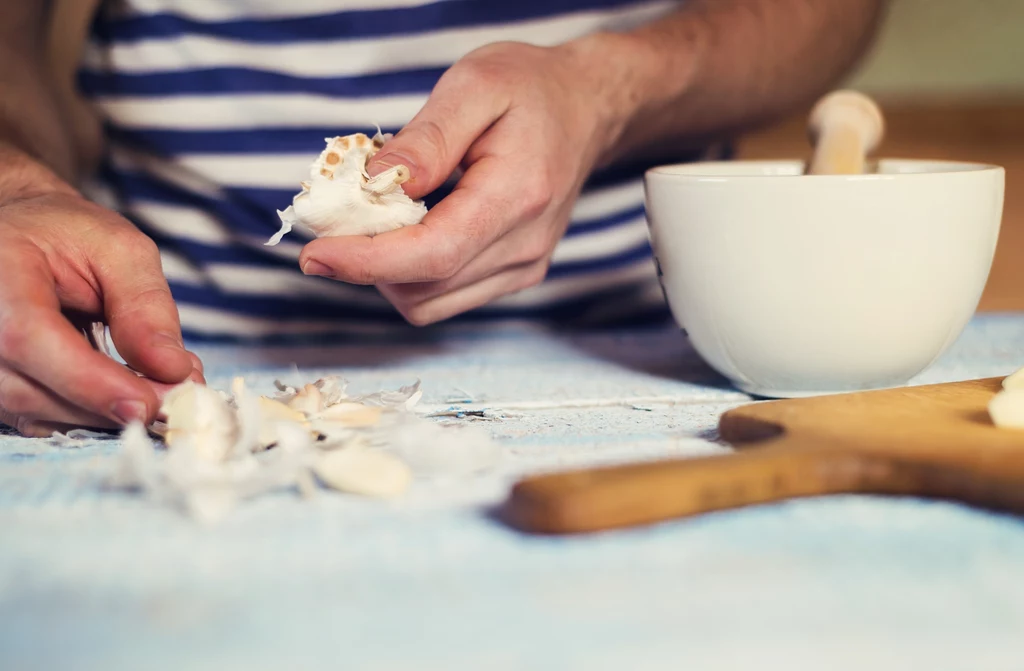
[
  {"x": 140, "y": 311},
  {"x": 434, "y": 142}
]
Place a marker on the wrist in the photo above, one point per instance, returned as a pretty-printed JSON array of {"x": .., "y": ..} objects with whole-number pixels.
[
  {"x": 23, "y": 176},
  {"x": 637, "y": 80}
]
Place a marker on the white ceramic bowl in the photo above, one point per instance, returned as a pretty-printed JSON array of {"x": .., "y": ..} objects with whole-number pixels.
[{"x": 797, "y": 285}]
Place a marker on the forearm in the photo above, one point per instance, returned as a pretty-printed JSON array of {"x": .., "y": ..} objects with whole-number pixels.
[
  {"x": 715, "y": 68},
  {"x": 32, "y": 130}
]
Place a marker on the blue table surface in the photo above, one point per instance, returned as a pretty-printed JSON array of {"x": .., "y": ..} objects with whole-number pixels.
[{"x": 93, "y": 579}]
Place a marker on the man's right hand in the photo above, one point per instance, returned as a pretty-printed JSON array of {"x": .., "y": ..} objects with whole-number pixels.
[{"x": 63, "y": 257}]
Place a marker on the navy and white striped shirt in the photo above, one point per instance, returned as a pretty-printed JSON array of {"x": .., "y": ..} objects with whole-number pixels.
[{"x": 214, "y": 110}]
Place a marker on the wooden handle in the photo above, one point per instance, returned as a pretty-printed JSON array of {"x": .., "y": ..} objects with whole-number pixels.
[
  {"x": 638, "y": 494},
  {"x": 633, "y": 494},
  {"x": 844, "y": 126}
]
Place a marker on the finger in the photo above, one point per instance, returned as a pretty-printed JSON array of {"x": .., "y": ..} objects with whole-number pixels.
[
  {"x": 140, "y": 311},
  {"x": 481, "y": 209},
  {"x": 22, "y": 400},
  {"x": 518, "y": 249},
  {"x": 31, "y": 428},
  {"x": 463, "y": 105},
  {"x": 161, "y": 389},
  {"x": 37, "y": 429},
  {"x": 198, "y": 374},
  {"x": 197, "y": 363},
  {"x": 38, "y": 342},
  {"x": 474, "y": 296}
]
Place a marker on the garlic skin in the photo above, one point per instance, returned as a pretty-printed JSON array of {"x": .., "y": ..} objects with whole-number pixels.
[
  {"x": 340, "y": 198},
  {"x": 223, "y": 448}
]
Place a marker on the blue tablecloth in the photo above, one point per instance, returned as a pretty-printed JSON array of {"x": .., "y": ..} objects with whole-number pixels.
[{"x": 91, "y": 579}]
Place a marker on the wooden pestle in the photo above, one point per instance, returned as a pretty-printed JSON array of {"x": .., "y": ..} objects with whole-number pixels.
[{"x": 844, "y": 127}]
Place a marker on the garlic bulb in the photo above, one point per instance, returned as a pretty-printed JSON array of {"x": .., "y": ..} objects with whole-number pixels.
[{"x": 340, "y": 198}]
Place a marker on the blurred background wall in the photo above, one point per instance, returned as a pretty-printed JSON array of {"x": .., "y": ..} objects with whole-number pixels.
[
  {"x": 949, "y": 75},
  {"x": 941, "y": 49}
]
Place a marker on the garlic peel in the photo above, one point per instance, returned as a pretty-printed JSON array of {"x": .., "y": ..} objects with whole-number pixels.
[
  {"x": 340, "y": 198},
  {"x": 225, "y": 447}
]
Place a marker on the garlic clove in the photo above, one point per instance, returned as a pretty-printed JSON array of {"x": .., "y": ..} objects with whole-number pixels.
[
  {"x": 272, "y": 413},
  {"x": 1014, "y": 380},
  {"x": 308, "y": 400},
  {"x": 351, "y": 415},
  {"x": 200, "y": 418},
  {"x": 364, "y": 471},
  {"x": 329, "y": 433},
  {"x": 276, "y": 410},
  {"x": 1007, "y": 408},
  {"x": 177, "y": 400}
]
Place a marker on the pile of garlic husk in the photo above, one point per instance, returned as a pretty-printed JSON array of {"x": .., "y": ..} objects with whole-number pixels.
[
  {"x": 223, "y": 447},
  {"x": 1006, "y": 408},
  {"x": 340, "y": 197}
]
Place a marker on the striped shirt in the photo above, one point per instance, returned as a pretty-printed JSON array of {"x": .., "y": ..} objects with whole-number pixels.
[{"x": 214, "y": 109}]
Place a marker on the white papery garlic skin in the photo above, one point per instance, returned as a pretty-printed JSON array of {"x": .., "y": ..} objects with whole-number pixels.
[{"x": 340, "y": 198}]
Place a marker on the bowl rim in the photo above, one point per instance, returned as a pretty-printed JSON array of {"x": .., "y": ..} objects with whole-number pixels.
[{"x": 690, "y": 171}]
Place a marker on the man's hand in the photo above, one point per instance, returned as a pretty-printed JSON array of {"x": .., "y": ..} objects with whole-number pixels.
[
  {"x": 63, "y": 257},
  {"x": 526, "y": 124}
]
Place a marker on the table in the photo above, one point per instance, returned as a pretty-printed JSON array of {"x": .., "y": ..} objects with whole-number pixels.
[{"x": 91, "y": 579}]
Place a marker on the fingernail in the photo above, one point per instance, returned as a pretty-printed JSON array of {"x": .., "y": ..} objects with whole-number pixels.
[
  {"x": 197, "y": 363},
  {"x": 129, "y": 411},
  {"x": 166, "y": 340},
  {"x": 380, "y": 163},
  {"x": 314, "y": 267}
]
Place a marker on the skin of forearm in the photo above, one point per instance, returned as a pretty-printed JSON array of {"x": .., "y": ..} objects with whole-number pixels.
[
  {"x": 716, "y": 68},
  {"x": 32, "y": 130}
]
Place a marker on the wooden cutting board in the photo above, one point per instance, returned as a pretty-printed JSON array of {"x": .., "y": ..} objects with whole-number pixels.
[{"x": 934, "y": 441}]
